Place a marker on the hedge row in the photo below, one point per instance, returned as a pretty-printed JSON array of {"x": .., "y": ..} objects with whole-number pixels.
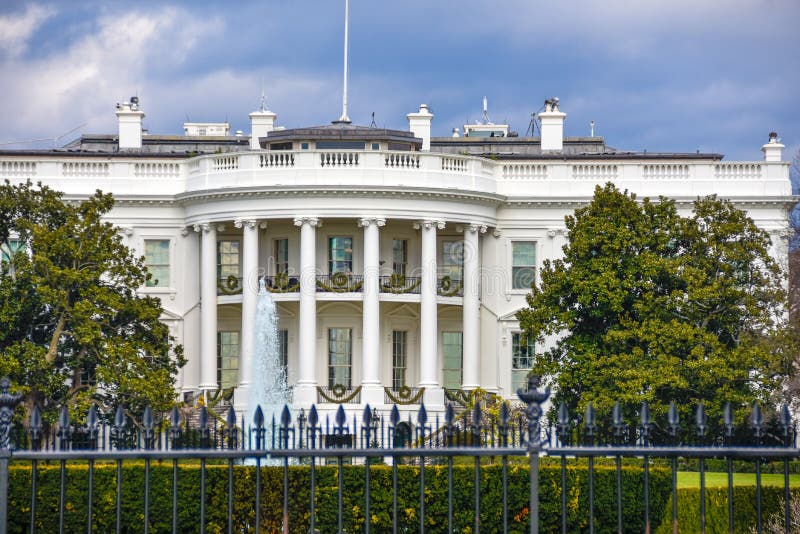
[
  {"x": 744, "y": 509},
  {"x": 326, "y": 499}
]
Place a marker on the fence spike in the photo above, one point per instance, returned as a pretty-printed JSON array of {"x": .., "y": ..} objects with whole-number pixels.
[
  {"x": 644, "y": 415},
  {"x": 616, "y": 415},
  {"x": 203, "y": 420},
  {"x": 563, "y": 415},
  {"x": 786, "y": 419},
  {"x": 147, "y": 418},
  {"x": 756, "y": 420},
  {"x": 477, "y": 415},
  {"x": 258, "y": 418},
  {"x": 422, "y": 415},
  {"x": 727, "y": 418},
  {"x": 701, "y": 419},
  {"x": 588, "y": 419},
  {"x": 673, "y": 418},
  {"x": 313, "y": 417},
  {"x": 230, "y": 421},
  {"x": 394, "y": 416},
  {"x": 449, "y": 415},
  {"x": 36, "y": 422},
  {"x": 341, "y": 418},
  {"x": 504, "y": 413},
  {"x": 286, "y": 417},
  {"x": 63, "y": 418}
]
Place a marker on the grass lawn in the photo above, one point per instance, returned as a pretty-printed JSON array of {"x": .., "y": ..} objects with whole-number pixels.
[{"x": 688, "y": 479}]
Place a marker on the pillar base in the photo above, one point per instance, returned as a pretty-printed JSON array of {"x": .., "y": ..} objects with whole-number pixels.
[
  {"x": 372, "y": 394},
  {"x": 434, "y": 398},
  {"x": 240, "y": 397}
]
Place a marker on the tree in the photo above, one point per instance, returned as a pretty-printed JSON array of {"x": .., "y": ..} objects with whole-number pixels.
[
  {"x": 649, "y": 305},
  {"x": 74, "y": 331}
]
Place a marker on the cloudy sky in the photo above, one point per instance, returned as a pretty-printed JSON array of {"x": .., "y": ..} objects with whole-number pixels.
[{"x": 671, "y": 75}]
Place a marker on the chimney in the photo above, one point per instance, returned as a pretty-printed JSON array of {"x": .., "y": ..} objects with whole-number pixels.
[
  {"x": 129, "y": 118},
  {"x": 420, "y": 125},
  {"x": 552, "y": 125},
  {"x": 261, "y": 123},
  {"x": 773, "y": 150}
]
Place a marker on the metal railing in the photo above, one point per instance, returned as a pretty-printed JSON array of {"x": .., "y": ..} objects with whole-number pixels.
[
  {"x": 282, "y": 283},
  {"x": 400, "y": 284},
  {"x": 213, "y": 451},
  {"x": 340, "y": 283}
]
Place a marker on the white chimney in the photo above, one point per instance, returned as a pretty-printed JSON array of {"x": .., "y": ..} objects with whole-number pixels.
[
  {"x": 129, "y": 118},
  {"x": 773, "y": 150},
  {"x": 420, "y": 125},
  {"x": 261, "y": 123},
  {"x": 552, "y": 124}
]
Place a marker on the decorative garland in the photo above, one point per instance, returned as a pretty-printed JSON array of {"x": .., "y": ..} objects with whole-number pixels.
[
  {"x": 229, "y": 285},
  {"x": 446, "y": 289},
  {"x": 404, "y": 396},
  {"x": 397, "y": 284},
  {"x": 339, "y": 394},
  {"x": 280, "y": 284},
  {"x": 457, "y": 396},
  {"x": 340, "y": 283}
]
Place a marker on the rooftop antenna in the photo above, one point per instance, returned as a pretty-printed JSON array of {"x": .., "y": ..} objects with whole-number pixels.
[
  {"x": 344, "y": 119},
  {"x": 591, "y": 128},
  {"x": 372, "y": 124},
  {"x": 486, "y": 111},
  {"x": 532, "y": 125},
  {"x": 263, "y": 107}
]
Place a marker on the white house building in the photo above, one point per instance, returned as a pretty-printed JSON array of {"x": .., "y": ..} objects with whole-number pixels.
[{"x": 397, "y": 260}]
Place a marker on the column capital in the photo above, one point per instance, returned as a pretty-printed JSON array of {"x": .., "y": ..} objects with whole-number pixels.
[
  {"x": 556, "y": 231},
  {"x": 249, "y": 223},
  {"x": 207, "y": 227},
  {"x": 366, "y": 221},
  {"x": 428, "y": 224},
  {"x": 477, "y": 228},
  {"x": 311, "y": 221},
  {"x": 127, "y": 231}
]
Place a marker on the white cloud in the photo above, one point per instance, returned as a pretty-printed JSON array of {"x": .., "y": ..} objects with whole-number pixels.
[{"x": 16, "y": 30}]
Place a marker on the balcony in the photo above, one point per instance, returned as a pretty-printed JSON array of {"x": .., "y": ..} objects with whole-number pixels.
[
  {"x": 338, "y": 394},
  {"x": 400, "y": 284},
  {"x": 282, "y": 283},
  {"x": 230, "y": 285},
  {"x": 403, "y": 395},
  {"x": 449, "y": 287},
  {"x": 340, "y": 283}
]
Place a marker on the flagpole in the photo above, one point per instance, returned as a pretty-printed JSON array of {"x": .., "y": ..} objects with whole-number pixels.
[{"x": 344, "y": 118}]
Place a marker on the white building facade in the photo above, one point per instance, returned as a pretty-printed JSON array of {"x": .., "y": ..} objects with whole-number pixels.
[{"x": 397, "y": 261}]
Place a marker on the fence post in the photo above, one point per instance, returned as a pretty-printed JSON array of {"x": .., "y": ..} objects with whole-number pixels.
[
  {"x": 534, "y": 399},
  {"x": 8, "y": 401}
]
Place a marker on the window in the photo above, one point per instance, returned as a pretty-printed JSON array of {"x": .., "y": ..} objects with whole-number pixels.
[
  {"x": 227, "y": 359},
  {"x": 522, "y": 355},
  {"x": 340, "y": 255},
  {"x": 283, "y": 348},
  {"x": 156, "y": 258},
  {"x": 227, "y": 259},
  {"x": 451, "y": 349},
  {"x": 340, "y": 356},
  {"x": 523, "y": 270},
  {"x": 7, "y": 253},
  {"x": 399, "y": 360},
  {"x": 399, "y": 256},
  {"x": 281, "y": 256},
  {"x": 452, "y": 259}
]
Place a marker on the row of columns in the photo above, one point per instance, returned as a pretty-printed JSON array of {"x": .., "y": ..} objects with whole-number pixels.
[{"x": 372, "y": 389}]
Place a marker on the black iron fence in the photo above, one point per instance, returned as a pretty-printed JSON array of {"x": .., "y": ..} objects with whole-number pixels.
[{"x": 489, "y": 468}]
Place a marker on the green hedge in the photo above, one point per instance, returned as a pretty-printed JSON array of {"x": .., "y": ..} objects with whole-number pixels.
[
  {"x": 299, "y": 487},
  {"x": 744, "y": 509}
]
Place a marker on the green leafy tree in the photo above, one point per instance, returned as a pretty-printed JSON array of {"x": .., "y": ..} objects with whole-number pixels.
[
  {"x": 74, "y": 331},
  {"x": 649, "y": 305}
]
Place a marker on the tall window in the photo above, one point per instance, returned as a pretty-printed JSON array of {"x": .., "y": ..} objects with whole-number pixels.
[
  {"x": 340, "y": 356},
  {"x": 281, "y": 256},
  {"x": 399, "y": 360},
  {"x": 227, "y": 259},
  {"x": 283, "y": 348},
  {"x": 522, "y": 354},
  {"x": 452, "y": 259},
  {"x": 523, "y": 270},
  {"x": 340, "y": 255},
  {"x": 451, "y": 349},
  {"x": 399, "y": 256},
  {"x": 156, "y": 258},
  {"x": 227, "y": 359}
]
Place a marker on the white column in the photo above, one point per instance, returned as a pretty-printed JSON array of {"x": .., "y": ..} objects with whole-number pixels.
[
  {"x": 470, "y": 323},
  {"x": 305, "y": 391},
  {"x": 372, "y": 392},
  {"x": 429, "y": 327},
  {"x": 249, "y": 301},
  {"x": 208, "y": 306}
]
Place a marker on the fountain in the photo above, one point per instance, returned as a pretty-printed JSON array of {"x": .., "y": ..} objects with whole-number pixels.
[{"x": 268, "y": 388}]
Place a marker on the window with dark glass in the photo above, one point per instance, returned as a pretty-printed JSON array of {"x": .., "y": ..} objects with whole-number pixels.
[
  {"x": 283, "y": 348},
  {"x": 156, "y": 258},
  {"x": 281, "y": 256},
  {"x": 452, "y": 362},
  {"x": 227, "y": 359},
  {"x": 523, "y": 270},
  {"x": 227, "y": 259},
  {"x": 340, "y": 254},
  {"x": 399, "y": 256},
  {"x": 399, "y": 360},
  {"x": 452, "y": 259},
  {"x": 340, "y": 356},
  {"x": 522, "y": 354}
]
